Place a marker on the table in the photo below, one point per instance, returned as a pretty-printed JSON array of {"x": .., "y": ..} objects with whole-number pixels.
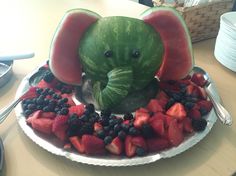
[{"x": 31, "y": 24}]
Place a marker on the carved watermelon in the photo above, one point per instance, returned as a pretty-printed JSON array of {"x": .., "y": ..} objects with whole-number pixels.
[
  {"x": 64, "y": 58},
  {"x": 178, "y": 55}
]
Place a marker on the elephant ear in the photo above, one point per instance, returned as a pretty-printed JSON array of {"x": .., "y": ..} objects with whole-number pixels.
[
  {"x": 178, "y": 56},
  {"x": 64, "y": 58}
]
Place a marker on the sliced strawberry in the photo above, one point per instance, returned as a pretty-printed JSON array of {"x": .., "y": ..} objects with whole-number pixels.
[
  {"x": 187, "y": 122},
  {"x": 141, "y": 118},
  {"x": 177, "y": 110},
  {"x": 194, "y": 114},
  {"x": 139, "y": 141},
  {"x": 77, "y": 109},
  {"x": 116, "y": 146},
  {"x": 154, "y": 106},
  {"x": 157, "y": 144},
  {"x": 168, "y": 119},
  {"x": 198, "y": 79},
  {"x": 43, "y": 125},
  {"x": 130, "y": 148},
  {"x": 205, "y": 104},
  {"x": 158, "y": 115},
  {"x": 77, "y": 143},
  {"x": 175, "y": 135},
  {"x": 93, "y": 145},
  {"x": 181, "y": 125},
  {"x": 97, "y": 126},
  {"x": 158, "y": 126}
]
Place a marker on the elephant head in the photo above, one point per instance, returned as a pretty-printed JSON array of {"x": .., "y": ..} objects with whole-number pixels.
[{"x": 117, "y": 54}]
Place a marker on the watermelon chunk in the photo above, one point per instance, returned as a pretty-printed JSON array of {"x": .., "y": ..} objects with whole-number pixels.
[{"x": 178, "y": 55}]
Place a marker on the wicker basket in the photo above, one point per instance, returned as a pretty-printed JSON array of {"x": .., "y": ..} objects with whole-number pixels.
[{"x": 203, "y": 21}]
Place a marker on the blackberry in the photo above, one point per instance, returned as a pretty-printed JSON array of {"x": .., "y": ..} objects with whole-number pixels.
[
  {"x": 86, "y": 128},
  {"x": 177, "y": 97},
  {"x": 107, "y": 140},
  {"x": 199, "y": 125},
  {"x": 128, "y": 116},
  {"x": 147, "y": 131},
  {"x": 90, "y": 108},
  {"x": 84, "y": 118},
  {"x": 125, "y": 127},
  {"x": 117, "y": 128},
  {"x": 106, "y": 128},
  {"x": 189, "y": 105},
  {"x": 203, "y": 111}
]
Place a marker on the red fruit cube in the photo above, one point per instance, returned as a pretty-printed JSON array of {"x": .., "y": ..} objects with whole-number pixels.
[
  {"x": 93, "y": 145},
  {"x": 44, "y": 84},
  {"x": 198, "y": 79},
  {"x": 60, "y": 126},
  {"x": 130, "y": 148},
  {"x": 116, "y": 146},
  {"x": 43, "y": 125},
  {"x": 141, "y": 118},
  {"x": 157, "y": 125},
  {"x": 194, "y": 114},
  {"x": 154, "y": 106},
  {"x": 175, "y": 135},
  {"x": 77, "y": 109},
  {"x": 177, "y": 110},
  {"x": 48, "y": 115},
  {"x": 34, "y": 115},
  {"x": 162, "y": 98},
  {"x": 157, "y": 144},
  {"x": 77, "y": 143}
]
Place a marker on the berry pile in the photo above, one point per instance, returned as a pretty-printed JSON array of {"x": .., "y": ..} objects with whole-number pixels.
[{"x": 177, "y": 111}]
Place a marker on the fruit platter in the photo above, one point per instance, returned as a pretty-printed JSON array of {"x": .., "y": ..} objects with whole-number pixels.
[{"x": 107, "y": 97}]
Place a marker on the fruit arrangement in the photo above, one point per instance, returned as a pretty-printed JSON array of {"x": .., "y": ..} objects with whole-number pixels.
[{"x": 178, "y": 110}]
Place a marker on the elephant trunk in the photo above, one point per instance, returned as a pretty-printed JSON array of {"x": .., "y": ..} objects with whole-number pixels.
[{"x": 117, "y": 88}]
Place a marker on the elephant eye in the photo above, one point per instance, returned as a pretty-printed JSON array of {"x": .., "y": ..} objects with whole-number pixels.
[
  {"x": 135, "y": 53},
  {"x": 108, "y": 53}
]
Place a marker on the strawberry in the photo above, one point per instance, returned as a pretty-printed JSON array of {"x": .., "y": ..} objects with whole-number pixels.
[
  {"x": 177, "y": 110},
  {"x": 187, "y": 122},
  {"x": 77, "y": 109},
  {"x": 43, "y": 125},
  {"x": 157, "y": 144},
  {"x": 141, "y": 118},
  {"x": 76, "y": 142},
  {"x": 116, "y": 146},
  {"x": 130, "y": 148},
  {"x": 154, "y": 106},
  {"x": 139, "y": 141},
  {"x": 205, "y": 104},
  {"x": 97, "y": 126},
  {"x": 175, "y": 135},
  {"x": 158, "y": 126},
  {"x": 194, "y": 114},
  {"x": 60, "y": 126},
  {"x": 93, "y": 145},
  {"x": 198, "y": 79}
]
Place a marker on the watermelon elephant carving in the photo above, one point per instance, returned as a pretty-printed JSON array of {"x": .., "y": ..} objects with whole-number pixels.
[{"x": 120, "y": 55}]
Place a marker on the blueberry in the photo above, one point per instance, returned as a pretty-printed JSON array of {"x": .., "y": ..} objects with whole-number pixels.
[
  {"x": 64, "y": 111},
  {"x": 133, "y": 131},
  {"x": 112, "y": 133},
  {"x": 86, "y": 128},
  {"x": 31, "y": 107},
  {"x": 117, "y": 128},
  {"x": 106, "y": 128},
  {"x": 48, "y": 77},
  {"x": 84, "y": 118},
  {"x": 101, "y": 134},
  {"x": 39, "y": 91},
  {"x": 125, "y": 127},
  {"x": 203, "y": 111},
  {"x": 121, "y": 135},
  {"x": 46, "y": 109},
  {"x": 177, "y": 97},
  {"x": 140, "y": 151},
  {"x": 59, "y": 86},
  {"x": 199, "y": 125},
  {"x": 65, "y": 100},
  {"x": 107, "y": 140},
  {"x": 189, "y": 105},
  {"x": 28, "y": 112}
]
